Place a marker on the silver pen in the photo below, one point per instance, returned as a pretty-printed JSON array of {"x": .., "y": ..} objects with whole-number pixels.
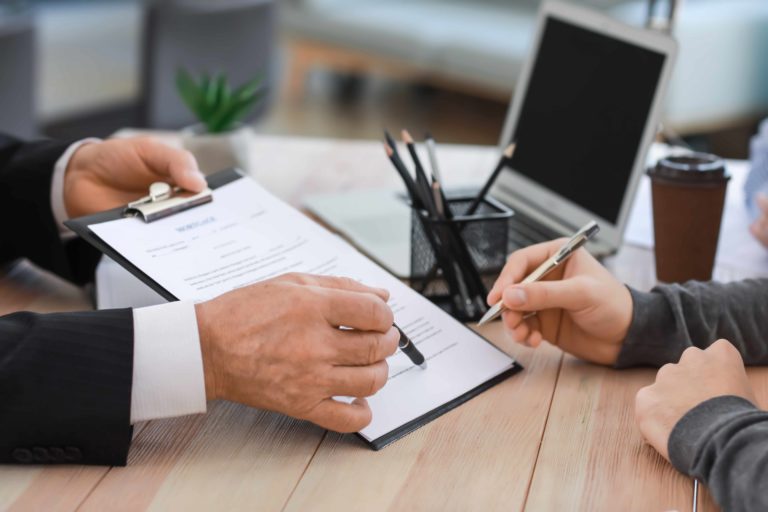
[
  {"x": 695, "y": 494},
  {"x": 580, "y": 238}
]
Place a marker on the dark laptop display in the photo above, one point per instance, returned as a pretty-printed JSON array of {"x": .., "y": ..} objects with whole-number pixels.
[{"x": 583, "y": 117}]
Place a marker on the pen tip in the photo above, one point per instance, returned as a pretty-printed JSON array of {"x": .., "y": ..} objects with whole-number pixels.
[
  {"x": 423, "y": 365},
  {"x": 428, "y": 135},
  {"x": 406, "y": 137},
  {"x": 487, "y": 317}
]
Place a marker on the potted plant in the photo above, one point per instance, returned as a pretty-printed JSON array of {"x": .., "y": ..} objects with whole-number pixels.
[{"x": 219, "y": 140}]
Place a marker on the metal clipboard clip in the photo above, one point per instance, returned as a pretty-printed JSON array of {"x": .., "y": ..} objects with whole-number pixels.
[{"x": 164, "y": 200}]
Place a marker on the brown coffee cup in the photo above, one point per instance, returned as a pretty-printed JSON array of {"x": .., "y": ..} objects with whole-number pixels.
[{"x": 688, "y": 196}]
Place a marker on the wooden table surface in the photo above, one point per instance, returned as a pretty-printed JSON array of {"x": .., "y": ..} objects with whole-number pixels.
[{"x": 558, "y": 436}]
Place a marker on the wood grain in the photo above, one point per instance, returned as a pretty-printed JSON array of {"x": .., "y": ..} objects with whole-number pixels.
[
  {"x": 233, "y": 458},
  {"x": 477, "y": 457},
  {"x": 592, "y": 455}
]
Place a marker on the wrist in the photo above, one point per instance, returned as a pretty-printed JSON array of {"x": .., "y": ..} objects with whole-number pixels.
[
  {"x": 72, "y": 161},
  {"x": 206, "y": 349}
]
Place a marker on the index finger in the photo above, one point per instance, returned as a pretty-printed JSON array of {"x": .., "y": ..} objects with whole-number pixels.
[
  {"x": 339, "y": 283},
  {"x": 521, "y": 263},
  {"x": 359, "y": 310}
]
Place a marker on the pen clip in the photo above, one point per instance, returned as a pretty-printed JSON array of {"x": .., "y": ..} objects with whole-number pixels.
[
  {"x": 576, "y": 241},
  {"x": 572, "y": 245}
]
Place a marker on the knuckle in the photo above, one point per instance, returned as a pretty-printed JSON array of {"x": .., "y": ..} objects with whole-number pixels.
[
  {"x": 377, "y": 378},
  {"x": 380, "y": 314},
  {"x": 641, "y": 399},
  {"x": 374, "y": 345},
  {"x": 392, "y": 340},
  {"x": 724, "y": 345},
  {"x": 690, "y": 352},
  {"x": 293, "y": 277},
  {"x": 664, "y": 371},
  {"x": 346, "y": 282}
]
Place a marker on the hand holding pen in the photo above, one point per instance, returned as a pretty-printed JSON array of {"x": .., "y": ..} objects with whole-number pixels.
[
  {"x": 567, "y": 250},
  {"x": 580, "y": 306}
]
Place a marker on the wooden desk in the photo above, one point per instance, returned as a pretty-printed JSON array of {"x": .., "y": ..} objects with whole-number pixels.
[{"x": 558, "y": 436}]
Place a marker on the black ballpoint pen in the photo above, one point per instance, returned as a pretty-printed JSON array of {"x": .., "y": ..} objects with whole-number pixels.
[{"x": 410, "y": 350}]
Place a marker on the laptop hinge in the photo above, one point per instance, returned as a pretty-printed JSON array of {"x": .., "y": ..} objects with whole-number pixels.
[{"x": 533, "y": 210}]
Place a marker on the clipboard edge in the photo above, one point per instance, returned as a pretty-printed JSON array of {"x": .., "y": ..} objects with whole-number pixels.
[
  {"x": 426, "y": 418},
  {"x": 81, "y": 227}
]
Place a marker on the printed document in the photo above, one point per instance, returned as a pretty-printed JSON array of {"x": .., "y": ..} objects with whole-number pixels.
[{"x": 247, "y": 235}]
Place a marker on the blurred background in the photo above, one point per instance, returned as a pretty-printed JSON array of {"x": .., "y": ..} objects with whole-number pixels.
[{"x": 347, "y": 68}]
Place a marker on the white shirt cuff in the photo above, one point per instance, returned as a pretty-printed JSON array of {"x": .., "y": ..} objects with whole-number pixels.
[
  {"x": 57, "y": 185},
  {"x": 168, "y": 378}
]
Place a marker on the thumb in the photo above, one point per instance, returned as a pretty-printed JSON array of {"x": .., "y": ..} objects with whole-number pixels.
[
  {"x": 568, "y": 294},
  {"x": 177, "y": 164}
]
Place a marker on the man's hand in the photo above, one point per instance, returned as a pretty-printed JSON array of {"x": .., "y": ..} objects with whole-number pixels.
[
  {"x": 759, "y": 228},
  {"x": 277, "y": 345},
  {"x": 580, "y": 306},
  {"x": 109, "y": 174},
  {"x": 699, "y": 376}
]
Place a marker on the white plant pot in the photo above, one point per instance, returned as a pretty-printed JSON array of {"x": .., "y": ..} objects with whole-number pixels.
[{"x": 218, "y": 151}]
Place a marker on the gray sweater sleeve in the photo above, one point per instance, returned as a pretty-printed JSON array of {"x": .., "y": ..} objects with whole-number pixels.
[
  {"x": 674, "y": 317},
  {"x": 722, "y": 441}
]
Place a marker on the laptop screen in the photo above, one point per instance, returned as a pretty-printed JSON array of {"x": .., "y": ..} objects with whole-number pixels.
[{"x": 583, "y": 115}]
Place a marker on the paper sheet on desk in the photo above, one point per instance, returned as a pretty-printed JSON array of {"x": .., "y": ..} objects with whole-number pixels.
[
  {"x": 247, "y": 235},
  {"x": 737, "y": 248},
  {"x": 118, "y": 288}
]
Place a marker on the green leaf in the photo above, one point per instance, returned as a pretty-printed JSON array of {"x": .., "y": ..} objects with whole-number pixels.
[
  {"x": 214, "y": 103},
  {"x": 249, "y": 89},
  {"x": 189, "y": 91},
  {"x": 235, "y": 113},
  {"x": 212, "y": 94},
  {"x": 224, "y": 96}
]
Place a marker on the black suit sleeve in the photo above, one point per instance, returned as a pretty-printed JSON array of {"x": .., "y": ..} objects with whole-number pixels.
[
  {"x": 26, "y": 219},
  {"x": 65, "y": 387},
  {"x": 65, "y": 379}
]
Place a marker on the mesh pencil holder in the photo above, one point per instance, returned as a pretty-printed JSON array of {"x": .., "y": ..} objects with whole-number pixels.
[{"x": 485, "y": 236}]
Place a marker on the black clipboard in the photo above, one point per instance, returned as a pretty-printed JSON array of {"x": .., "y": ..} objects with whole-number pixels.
[{"x": 81, "y": 227}]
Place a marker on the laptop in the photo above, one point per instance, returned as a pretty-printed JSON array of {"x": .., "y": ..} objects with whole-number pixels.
[{"x": 586, "y": 109}]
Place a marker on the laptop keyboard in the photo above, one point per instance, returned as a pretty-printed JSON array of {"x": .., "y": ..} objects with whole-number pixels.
[{"x": 525, "y": 231}]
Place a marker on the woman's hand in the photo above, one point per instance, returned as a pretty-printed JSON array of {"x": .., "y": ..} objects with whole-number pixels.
[{"x": 579, "y": 307}]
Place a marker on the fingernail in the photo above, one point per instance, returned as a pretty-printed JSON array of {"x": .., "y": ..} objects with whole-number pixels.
[{"x": 515, "y": 297}]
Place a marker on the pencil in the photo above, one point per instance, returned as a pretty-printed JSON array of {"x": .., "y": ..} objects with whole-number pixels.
[
  {"x": 506, "y": 157},
  {"x": 437, "y": 196},
  {"x": 421, "y": 178},
  {"x": 432, "y": 152},
  {"x": 469, "y": 281},
  {"x": 410, "y": 186},
  {"x": 436, "y": 175}
]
